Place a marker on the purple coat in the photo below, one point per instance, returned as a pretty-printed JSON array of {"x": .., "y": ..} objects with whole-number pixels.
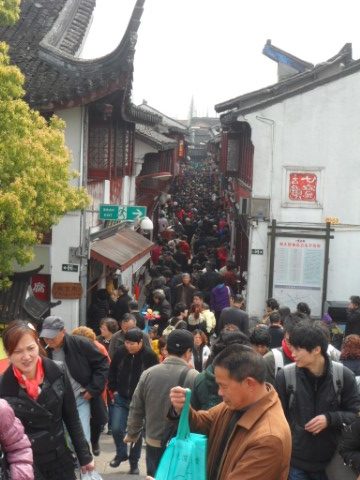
[
  {"x": 220, "y": 297},
  {"x": 15, "y": 444}
]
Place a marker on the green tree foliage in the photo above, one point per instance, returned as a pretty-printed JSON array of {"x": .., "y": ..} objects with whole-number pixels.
[
  {"x": 9, "y": 11},
  {"x": 35, "y": 175}
]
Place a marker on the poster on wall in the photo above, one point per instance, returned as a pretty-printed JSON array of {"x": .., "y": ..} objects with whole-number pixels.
[
  {"x": 298, "y": 272},
  {"x": 302, "y": 186}
]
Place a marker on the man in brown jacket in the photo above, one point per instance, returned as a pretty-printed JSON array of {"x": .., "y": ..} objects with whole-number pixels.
[{"x": 249, "y": 437}]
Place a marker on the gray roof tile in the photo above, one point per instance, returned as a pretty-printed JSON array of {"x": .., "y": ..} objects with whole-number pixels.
[{"x": 44, "y": 44}]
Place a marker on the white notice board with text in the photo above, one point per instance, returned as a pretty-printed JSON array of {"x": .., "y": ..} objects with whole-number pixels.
[{"x": 298, "y": 272}]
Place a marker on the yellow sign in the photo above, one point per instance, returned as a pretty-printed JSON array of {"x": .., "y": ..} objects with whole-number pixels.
[{"x": 332, "y": 220}]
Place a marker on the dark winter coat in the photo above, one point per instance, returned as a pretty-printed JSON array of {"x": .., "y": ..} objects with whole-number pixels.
[
  {"x": 126, "y": 369},
  {"x": 96, "y": 312},
  {"x": 86, "y": 364},
  {"x": 208, "y": 281},
  {"x": 164, "y": 310},
  {"x": 234, "y": 316},
  {"x": 349, "y": 447},
  {"x": 353, "y": 364},
  {"x": 353, "y": 322},
  {"x": 205, "y": 391},
  {"x": 184, "y": 294},
  {"x": 316, "y": 396},
  {"x": 276, "y": 335},
  {"x": 121, "y": 306},
  {"x": 43, "y": 419}
]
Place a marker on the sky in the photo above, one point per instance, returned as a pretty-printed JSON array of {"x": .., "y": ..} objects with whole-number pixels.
[{"x": 211, "y": 50}]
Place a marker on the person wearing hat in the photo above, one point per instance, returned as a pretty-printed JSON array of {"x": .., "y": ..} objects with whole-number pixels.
[
  {"x": 129, "y": 361},
  {"x": 150, "y": 402},
  {"x": 86, "y": 366}
]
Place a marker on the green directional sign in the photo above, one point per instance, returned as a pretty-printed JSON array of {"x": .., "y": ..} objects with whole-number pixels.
[
  {"x": 109, "y": 212},
  {"x": 132, "y": 212}
]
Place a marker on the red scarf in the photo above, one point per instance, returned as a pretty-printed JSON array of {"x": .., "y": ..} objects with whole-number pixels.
[
  {"x": 287, "y": 350},
  {"x": 31, "y": 386}
]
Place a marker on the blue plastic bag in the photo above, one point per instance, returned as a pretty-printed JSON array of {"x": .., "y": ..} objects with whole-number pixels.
[{"x": 185, "y": 456}]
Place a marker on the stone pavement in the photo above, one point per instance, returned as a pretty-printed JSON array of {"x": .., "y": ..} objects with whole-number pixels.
[{"x": 120, "y": 473}]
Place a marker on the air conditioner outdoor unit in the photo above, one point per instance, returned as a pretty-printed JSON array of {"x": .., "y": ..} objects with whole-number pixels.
[
  {"x": 260, "y": 207},
  {"x": 243, "y": 206}
]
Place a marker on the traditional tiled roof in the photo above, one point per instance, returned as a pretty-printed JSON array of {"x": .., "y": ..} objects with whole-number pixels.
[
  {"x": 44, "y": 44},
  {"x": 173, "y": 125},
  {"x": 333, "y": 69},
  {"x": 154, "y": 138},
  {"x": 281, "y": 56},
  {"x": 139, "y": 115}
]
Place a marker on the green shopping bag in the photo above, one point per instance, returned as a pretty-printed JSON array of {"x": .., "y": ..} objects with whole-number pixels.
[{"x": 185, "y": 456}]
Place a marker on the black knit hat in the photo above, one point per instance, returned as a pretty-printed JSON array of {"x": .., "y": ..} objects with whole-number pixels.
[{"x": 179, "y": 341}]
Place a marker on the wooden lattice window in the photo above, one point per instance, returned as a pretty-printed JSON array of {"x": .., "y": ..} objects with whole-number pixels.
[
  {"x": 101, "y": 149},
  {"x": 233, "y": 156}
]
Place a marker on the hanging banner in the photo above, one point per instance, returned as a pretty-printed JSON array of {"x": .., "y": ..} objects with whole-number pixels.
[{"x": 298, "y": 272}]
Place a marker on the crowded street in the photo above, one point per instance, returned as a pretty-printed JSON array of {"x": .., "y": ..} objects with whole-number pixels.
[{"x": 179, "y": 246}]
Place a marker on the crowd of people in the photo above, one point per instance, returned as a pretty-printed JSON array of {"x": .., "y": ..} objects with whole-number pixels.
[{"x": 278, "y": 399}]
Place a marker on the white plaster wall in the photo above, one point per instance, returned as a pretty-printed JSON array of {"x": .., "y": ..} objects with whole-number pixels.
[
  {"x": 126, "y": 190},
  {"x": 344, "y": 266},
  {"x": 73, "y": 118},
  {"x": 319, "y": 128},
  {"x": 141, "y": 148},
  {"x": 256, "y": 291},
  {"x": 67, "y": 233}
]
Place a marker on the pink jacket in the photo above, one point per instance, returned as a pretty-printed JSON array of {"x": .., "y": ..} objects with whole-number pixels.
[{"x": 15, "y": 444}]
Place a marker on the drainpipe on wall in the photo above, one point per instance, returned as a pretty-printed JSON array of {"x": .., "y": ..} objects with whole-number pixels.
[
  {"x": 84, "y": 241},
  {"x": 272, "y": 124}
]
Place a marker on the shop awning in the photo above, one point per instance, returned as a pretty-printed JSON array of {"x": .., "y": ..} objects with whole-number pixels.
[{"x": 122, "y": 249}]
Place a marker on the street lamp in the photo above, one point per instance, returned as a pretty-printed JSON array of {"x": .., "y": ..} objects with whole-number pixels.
[{"x": 146, "y": 224}]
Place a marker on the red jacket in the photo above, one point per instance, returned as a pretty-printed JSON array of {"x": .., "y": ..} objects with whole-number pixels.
[
  {"x": 15, "y": 444},
  {"x": 185, "y": 248},
  {"x": 155, "y": 254}
]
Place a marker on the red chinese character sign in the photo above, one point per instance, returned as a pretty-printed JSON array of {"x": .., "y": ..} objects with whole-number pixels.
[
  {"x": 302, "y": 187},
  {"x": 40, "y": 285}
]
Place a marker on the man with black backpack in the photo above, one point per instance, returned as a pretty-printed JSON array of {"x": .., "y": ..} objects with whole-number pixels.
[
  {"x": 150, "y": 402},
  {"x": 278, "y": 357},
  {"x": 319, "y": 397}
]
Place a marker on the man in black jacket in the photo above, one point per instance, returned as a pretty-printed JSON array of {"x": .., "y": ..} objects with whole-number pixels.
[
  {"x": 129, "y": 361},
  {"x": 234, "y": 315},
  {"x": 353, "y": 316},
  {"x": 86, "y": 366},
  {"x": 316, "y": 404}
]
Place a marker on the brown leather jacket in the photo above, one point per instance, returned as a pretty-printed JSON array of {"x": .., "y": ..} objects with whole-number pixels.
[{"x": 260, "y": 446}]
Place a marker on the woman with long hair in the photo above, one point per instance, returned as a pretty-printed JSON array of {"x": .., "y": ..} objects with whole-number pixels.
[
  {"x": 40, "y": 393},
  {"x": 201, "y": 351}
]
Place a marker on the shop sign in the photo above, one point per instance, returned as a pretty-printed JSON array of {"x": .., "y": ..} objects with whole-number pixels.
[{"x": 67, "y": 290}]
